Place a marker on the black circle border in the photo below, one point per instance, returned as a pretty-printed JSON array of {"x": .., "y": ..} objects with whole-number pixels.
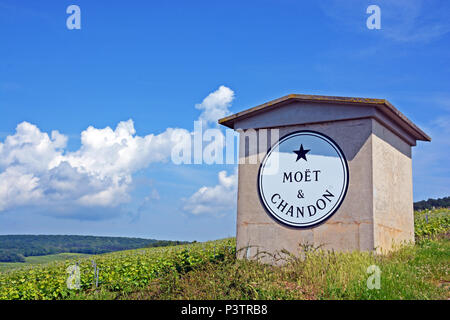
[{"x": 274, "y": 217}]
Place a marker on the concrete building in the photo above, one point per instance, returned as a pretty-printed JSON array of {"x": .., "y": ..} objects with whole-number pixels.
[{"x": 375, "y": 137}]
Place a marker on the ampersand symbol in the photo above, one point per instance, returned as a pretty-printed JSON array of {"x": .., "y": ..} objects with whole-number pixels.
[{"x": 300, "y": 194}]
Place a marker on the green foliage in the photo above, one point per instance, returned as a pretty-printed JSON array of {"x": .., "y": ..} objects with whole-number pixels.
[
  {"x": 432, "y": 203},
  {"x": 11, "y": 256},
  {"x": 13, "y": 248},
  {"x": 211, "y": 271},
  {"x": 431, "y": 223},
  {"x": 118, "y": 272},
  {"x": 412, "y": 272},
  {"x": 7, "y": 266}
]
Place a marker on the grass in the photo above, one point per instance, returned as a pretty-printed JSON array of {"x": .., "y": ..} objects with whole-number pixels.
[
  {"x": 413, "y": 272},
  {"x": 419, "y": 271},
  {"x": 429, "y": 223},
  {"x": 211, "y": 271},
  {"x": 37, "y": 260},
  {"x": 121, "y": 271}
]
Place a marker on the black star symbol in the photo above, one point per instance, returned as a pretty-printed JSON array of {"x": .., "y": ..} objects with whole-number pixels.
[{"x": 301, "y": 154}]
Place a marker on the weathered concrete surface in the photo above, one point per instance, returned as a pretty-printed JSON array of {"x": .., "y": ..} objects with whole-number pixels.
[
  {"x": 377, "y": 212},
  {"x": 350, "y": 228},
  {"x": 393, "y": 202}
]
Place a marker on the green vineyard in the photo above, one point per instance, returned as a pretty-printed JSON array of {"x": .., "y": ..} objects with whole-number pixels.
[
  {"x": 117, "y": 271},
  {"x": 210, "y": 270}
]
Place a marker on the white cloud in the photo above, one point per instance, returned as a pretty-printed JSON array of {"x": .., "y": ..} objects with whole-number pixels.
[
  {"x": 216, "y": 104},
  {"x": 36, "y": 169},
  {"x": 415, "y": 20},
  {"x": 106, "y": 152},
  {"x": 31, "y": 148},
  {"x": 217, "y": 200},
  {"x": 18, "y": 187},
  {"x": 401, "y": 20},
  {"x": 154, "y": 195}
]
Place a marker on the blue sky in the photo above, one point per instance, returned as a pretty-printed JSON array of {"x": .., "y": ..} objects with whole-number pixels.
[{"x": 153, "y": 63}]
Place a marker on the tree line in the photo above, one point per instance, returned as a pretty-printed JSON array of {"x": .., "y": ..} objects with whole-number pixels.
[
  {"x": 432, "y": 203},
  {"x": 14, "y": 248}
]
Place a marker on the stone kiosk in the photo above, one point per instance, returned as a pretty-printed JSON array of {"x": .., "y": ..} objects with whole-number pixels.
[{"x": 338, "y": 175}]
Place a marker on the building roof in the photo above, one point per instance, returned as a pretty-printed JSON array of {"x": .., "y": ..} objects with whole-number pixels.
[{"x": 381, "y": 104}]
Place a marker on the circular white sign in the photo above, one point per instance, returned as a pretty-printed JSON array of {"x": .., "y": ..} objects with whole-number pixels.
[{"x": 303, "y": 179}]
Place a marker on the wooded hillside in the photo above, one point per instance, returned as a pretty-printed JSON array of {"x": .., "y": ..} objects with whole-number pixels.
[{"x": 13, "y": 248}]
